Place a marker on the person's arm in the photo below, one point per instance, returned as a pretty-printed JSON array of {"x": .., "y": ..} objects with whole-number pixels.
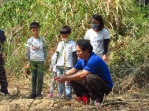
[
  {"x": 105, "y": 45},
  {"x": 45, "y": 47},
  {"x": 28, "y": 58},
  {"x": 45, "y": 52},
  {"x": 72, "y": 76},
  {"x": 3, "y": 47},
  {"x": 57, "y": 56},
  {"x": 28, "y": 53},
  {"x": 87, "y": 35},
  {"x": 78, "y": 76},
  {"x": 75, "y": 58},
  {"x": 71, "y": 72}
]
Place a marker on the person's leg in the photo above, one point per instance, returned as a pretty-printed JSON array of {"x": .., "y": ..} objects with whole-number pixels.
[
  {"x": 60, "y": 85},
  {"x": 79, "y": 87},
  {"x": 96, "y": 86},
  {"x": 33, "y": 66},
  {"x": 3, "y": 79},
  {"x": 68, "y": 88},
  {"x": 52, "y": 86},
  {"x": 40, "y": 71}
]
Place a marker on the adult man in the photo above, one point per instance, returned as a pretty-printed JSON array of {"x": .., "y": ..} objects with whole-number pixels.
[
  {"x": 3, "y": 79},
  {"x": 90, "y": 77}
]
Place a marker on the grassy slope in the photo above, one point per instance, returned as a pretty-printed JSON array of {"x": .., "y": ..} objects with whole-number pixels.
[{"x": 123, "y": 19}]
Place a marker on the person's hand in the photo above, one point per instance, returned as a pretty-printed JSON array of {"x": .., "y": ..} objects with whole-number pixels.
[
  {"x": 27, "y": 68},
  {"x": 27, "y": 65},
  {"x": 104, "y": 57},
  {"x": 50, "y": 69},
  {"x": 3, "y": 55},
  {"x": 61, "y": 78}
]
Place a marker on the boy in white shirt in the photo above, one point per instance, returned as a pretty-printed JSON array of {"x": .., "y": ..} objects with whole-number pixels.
[{"x": 66, "y": 59}]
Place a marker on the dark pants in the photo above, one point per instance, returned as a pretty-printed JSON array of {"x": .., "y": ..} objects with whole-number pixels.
[
  {"x": 3, "y": 79},
  {"x": 92, "y": 86},
  {"x": 37, "y": 76}
]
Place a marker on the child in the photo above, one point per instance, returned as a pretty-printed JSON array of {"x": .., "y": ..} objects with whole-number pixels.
[
  {"x": 53, "y": 69},
  {"x": 66, "y": 58},
  {"x": 36, "y": 54}
]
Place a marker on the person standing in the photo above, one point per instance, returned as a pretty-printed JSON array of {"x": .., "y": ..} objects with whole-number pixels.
[
  {"x": 3, "y": 78},
  {"x": 36, "y": 54},
  {"x": 99, "y": 36},
  {"x": 66, "y": 58},
  {"x": 90, "y": 77}
]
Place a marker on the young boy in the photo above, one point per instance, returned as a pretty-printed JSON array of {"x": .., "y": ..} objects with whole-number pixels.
[
  {"x": 36, "y": 54},
  {"x": 66, "y": 58}
]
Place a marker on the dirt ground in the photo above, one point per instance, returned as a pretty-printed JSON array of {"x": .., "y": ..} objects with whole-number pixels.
[{"x": 132, "y": 100}]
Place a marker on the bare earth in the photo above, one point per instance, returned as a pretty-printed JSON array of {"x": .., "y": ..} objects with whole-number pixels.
[{"x": 132, "y": 100}]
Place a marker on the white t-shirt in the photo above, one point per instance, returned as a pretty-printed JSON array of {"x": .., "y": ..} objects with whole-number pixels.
[
  {"x": 53, "y": 62},
  {"x": 36, "y": 48},
  {"x": 97, "y": 39},
  {"x": 65, "y": 50}
]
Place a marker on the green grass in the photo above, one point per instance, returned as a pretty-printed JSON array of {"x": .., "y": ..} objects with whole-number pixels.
[{"x": 125, "y": 20}]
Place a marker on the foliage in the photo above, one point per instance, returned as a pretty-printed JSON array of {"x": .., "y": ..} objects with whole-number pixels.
[{"x": 125, "y": 20}]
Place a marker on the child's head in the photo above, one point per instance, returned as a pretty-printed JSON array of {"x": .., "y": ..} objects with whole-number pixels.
[
  {"x": 35, "y": 28},
  {"x": 65, "y": 31}
]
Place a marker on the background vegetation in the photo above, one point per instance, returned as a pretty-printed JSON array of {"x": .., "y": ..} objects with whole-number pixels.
[{"x": 127, "y": 21}]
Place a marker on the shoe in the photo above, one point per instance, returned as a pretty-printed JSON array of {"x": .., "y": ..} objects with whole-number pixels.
[
  {"x": 84, "y": 99},
  {"x": 68, "y": 98},
  {"x": 32, "y": 96},
  {"x": 58, "y": 95},
  {"x": 50, "y": 95},
  {"x": 97, "y": 103},
  {"x": 5, "y": 92},
  {"x": 39, "y": 96}
]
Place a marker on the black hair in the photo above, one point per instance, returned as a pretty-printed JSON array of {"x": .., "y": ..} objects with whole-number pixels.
[
  {"x": 34, "y": 25},
  {"x": 85, "y": 45},
  {"x": 65, "y": 30},
  {"x": 99, "y": 19}
]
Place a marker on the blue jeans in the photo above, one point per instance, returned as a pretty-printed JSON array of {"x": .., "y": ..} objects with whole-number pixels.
[{"x": 68, "y": 88}]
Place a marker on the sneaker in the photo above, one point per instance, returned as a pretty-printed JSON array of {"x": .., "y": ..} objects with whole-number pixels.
[
  {"x": 5, "y": 92},
  {"x": 58, "y": 95},
  {"x": 50, "y": 95},
  {"x": 68, "y": 98},
  {"x": 32, "y": 96},
  {"x": 97, "y": 103},
  {"x": 39, "y": 96},
  {"x": 84, "y": 99}
]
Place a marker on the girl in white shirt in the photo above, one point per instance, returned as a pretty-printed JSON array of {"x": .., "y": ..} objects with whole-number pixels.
[{"x": 99, "y": 36}]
